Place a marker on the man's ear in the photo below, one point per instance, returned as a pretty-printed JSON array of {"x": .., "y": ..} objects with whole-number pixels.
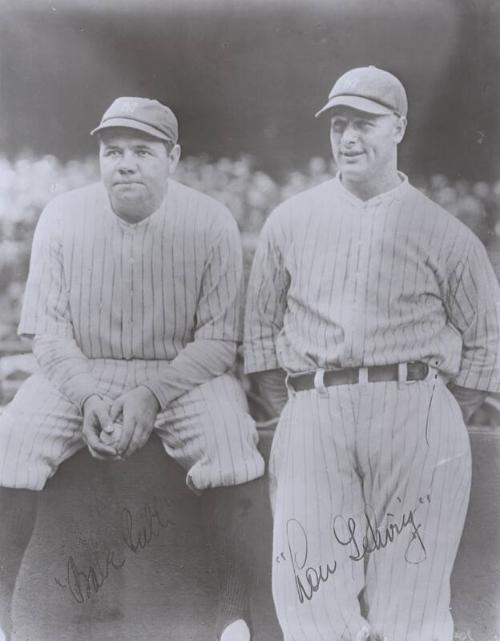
[
  {"x": 174, "y": 156},
  {"x": 399, "y": 129}
]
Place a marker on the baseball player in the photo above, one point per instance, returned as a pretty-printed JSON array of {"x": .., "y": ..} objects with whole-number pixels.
[
  {"x": 374, "y": 302},
  {"x": 133, "y": 303}
]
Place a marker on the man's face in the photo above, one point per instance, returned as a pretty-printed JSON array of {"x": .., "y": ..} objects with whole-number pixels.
[
  {"x": 364, "y": 145},
  {"x": 134, "y": 170}
]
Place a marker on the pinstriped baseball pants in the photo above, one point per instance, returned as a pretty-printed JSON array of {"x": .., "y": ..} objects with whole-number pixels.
[
  {"x": 370, "y": 486},
  {"x": 207, "y": 430}
]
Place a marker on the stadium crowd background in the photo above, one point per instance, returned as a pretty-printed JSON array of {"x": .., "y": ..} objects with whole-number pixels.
[
  {"x": 28, "y": 183},
  {"x": 243, "y": 75}
]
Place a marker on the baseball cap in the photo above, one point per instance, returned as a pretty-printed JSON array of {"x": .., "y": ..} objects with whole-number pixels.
[
  {"x": 143, "y": 114},
  {"x": 368, "y": 89}
]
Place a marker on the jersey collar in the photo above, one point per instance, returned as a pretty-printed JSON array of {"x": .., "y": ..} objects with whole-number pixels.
[{"x": 396, "y": 193}]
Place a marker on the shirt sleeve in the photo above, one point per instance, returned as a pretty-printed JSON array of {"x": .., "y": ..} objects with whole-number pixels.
[
  {"x": 63, "y": 363},
  {"x": 45, "y": 307},
  {"x": 199, "y": 362},
  {"x": 219, "y": 310},
  {"x": 217, "y": 325},
  {"x": 473, "y": 306},
  {"x": 266, "y": 301}
]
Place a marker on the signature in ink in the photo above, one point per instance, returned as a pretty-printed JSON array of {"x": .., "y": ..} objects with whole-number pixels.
[
  {"x": 82, "y": 583},
  {"x": 307, "y": 579},
  {"x": 363, "y": 539},
  {"x": 370, "y": 536},
  {"x": 138, "y": 536}
]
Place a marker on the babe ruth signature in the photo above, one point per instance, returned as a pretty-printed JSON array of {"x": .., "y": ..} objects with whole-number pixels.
[
  {"x": 362, "y": 539},
  {"x": 136, "y": 535}
]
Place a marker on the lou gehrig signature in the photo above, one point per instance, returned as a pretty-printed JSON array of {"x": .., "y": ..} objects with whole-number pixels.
[
  {"x": 359, "y": 538},
  {"x": 82, "y": 583}
]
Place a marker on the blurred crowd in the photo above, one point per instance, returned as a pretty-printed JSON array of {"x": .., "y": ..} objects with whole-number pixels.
[{"x": 28, "y": 183}]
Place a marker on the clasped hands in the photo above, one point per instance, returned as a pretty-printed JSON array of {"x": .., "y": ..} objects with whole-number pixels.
[{"x": 116, "y": 431}]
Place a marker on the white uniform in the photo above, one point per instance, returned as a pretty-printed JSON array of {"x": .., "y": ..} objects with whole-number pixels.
[
  {"x": 131, "y": 298},
  {"x": 371, "y": 480}
]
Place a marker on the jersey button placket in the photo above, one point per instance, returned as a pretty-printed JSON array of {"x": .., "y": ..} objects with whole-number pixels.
[
  {"x": 365, "y": 232},
  {"x": 128, "y": 293},
  {"x": 358, "y": 285}
]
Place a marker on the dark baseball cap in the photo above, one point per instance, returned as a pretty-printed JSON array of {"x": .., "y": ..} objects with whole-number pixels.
[
  {"x": 368, "y": 89},
  {"x": 143, "y": 114}
]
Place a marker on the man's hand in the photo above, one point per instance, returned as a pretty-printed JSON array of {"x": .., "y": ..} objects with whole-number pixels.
[
  {"x": 138, "y": 408},
  {"x": 96, "y": 419}
]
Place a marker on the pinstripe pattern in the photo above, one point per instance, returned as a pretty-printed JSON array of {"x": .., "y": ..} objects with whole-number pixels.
[
  {"x": 148, "y": 288},
  {"x": 208, "y": 430},
  {"x": 338, "y": 282},
  {"x": 373, "y": 448},
  {"x": 127, "y": 299}
]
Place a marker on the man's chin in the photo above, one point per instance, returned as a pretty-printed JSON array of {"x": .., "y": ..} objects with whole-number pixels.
[
  {"x": 354, "y": 172},
  {"x": 131, "y": 208}
]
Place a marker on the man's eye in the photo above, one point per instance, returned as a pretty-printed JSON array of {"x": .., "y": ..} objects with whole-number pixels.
[
  {"x": 142, "y": 153},
  {"x": 111, "y": 153},
  {"x": 338, "y": 125}
]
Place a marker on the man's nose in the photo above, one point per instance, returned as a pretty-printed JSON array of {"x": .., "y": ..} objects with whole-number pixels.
[
  {"x": 127, "y": 162},
  {"x": 350, "y": 134}
]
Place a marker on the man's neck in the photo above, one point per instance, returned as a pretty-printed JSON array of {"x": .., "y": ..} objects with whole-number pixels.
[
  {"x": 370, "y": 188},
  {"x": 134, "y": 213}
]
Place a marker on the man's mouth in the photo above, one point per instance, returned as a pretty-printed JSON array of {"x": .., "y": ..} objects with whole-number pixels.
[{"x": 351, "y": 154}]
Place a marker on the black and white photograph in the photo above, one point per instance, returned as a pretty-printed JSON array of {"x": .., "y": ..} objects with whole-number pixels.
[{"x": 249, "y": 320}]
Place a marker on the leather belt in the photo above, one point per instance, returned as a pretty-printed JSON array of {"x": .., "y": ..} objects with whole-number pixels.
[{"x": 415, "y": 371}]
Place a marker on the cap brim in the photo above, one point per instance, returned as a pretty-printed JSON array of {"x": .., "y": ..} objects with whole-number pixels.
[
  {"x": 356, "y": 102},
  {"x": 131, "y": 124}
]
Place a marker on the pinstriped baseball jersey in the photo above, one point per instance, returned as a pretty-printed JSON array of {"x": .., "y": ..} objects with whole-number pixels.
[
  {"x": 125, "y": 300},
  {"x": 134, "y": 291},
  {"x": 338, "y": 282}
]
